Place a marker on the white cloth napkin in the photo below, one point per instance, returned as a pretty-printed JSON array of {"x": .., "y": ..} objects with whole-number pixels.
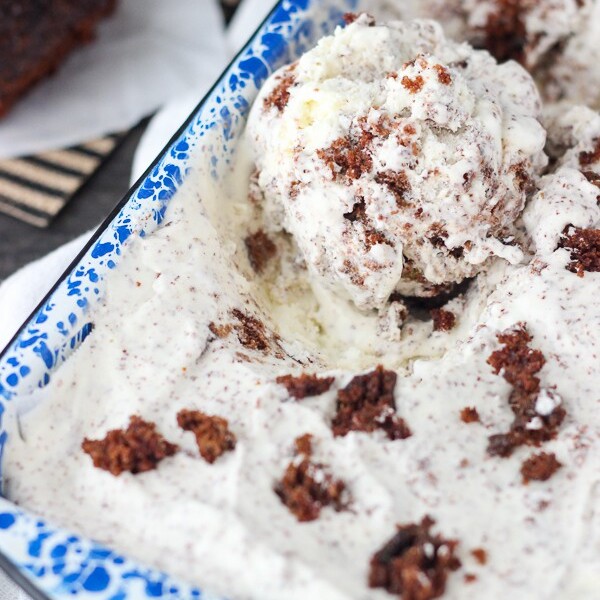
[{"x": 147, "y": 53}]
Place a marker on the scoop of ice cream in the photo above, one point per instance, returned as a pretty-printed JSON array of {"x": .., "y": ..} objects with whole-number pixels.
[
  {"x": 555, "y": 40},
  {"x": 573, "y": 74},
  {"x": 523, "y": 30},
  {"x": 397, "y": 159},
  {"x": 569, "y": 196}
]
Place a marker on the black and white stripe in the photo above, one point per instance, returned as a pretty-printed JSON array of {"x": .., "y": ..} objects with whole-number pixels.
[{"x": 35, "y": 188}]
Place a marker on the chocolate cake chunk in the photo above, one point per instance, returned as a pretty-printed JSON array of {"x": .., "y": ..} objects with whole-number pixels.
[
  {"x": 304, "y": 385},
  {"x": 347, "y": 157},
  {"x": 413, "y": 85},
  {"x": 37, "y": 35},
  {"x": 251, "y": 331},
  {"x": 367, "y": 404},
  {"x": 280, "y": 95},
  {"x": 593, "y": 156},
  {"x": 306, "y": 487},
  {"x": 443, "y": 320},
  {"x": 469, "y": 414},
  {"x": 414, "y": 564},
  {"x": 540, "y": 467},
  {"x": 584, "y": 245},
  {"x": 136, "y": 449},
  {"x": 505, "y": 35},
  {"x": 518, "y": 364},
  {"x": 260, "y": 249},
  {"x": 212, "y": 433}
]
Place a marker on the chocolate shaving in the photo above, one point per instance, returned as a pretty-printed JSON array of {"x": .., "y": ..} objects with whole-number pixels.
[
  {"x": 539, "y": 467},
  {"x": 307, "y": 487},
  {"x": 212, "y": 433},
  {"x": 414, "y": 564},
  {"x": 137, "y": 449},
  {"x": 304, "y": 385},
  {"x": 584, "y": 245},
  {"x": 367, "y": 404}
]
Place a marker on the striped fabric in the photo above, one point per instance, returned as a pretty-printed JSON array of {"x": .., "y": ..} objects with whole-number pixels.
[{"x": 35, "y": 188}]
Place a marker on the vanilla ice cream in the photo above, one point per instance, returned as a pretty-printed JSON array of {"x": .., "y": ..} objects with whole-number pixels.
[
  {"x": 399, "y": 160},
  {"x": 255, "y": 433}
]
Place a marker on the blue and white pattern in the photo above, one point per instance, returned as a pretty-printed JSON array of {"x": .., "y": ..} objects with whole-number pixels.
[{"x": 59, "y": 563}]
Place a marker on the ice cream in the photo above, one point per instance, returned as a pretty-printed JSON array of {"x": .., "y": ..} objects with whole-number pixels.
[
  {"x": 265, "y": 443},
  {"x": 556, "y": 40},
  {"x": 398, "y": 160}
]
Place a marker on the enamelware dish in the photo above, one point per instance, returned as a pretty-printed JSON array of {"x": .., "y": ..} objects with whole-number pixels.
[{"x": 47, "y": 561}]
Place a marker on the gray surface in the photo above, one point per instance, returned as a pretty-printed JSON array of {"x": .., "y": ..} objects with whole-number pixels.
[{"x": 21, "y": 243}]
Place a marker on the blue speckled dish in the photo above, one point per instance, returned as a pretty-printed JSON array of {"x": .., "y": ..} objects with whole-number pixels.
[{"x": 47, "y": 561}]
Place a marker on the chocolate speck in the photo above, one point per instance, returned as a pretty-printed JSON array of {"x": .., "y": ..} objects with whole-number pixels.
[
  {"x": 480, "y": 555},
  {"x": 469, "y": 414}
]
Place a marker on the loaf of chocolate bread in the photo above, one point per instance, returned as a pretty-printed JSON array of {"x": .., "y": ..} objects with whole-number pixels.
[{"x": 37, "y": 35}]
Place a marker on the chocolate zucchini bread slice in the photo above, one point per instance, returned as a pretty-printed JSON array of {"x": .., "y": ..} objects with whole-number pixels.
[{"x": 37, "y": 35}]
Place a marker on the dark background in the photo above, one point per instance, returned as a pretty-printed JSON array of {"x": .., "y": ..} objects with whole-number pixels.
[{"x": 21, "y": 243}]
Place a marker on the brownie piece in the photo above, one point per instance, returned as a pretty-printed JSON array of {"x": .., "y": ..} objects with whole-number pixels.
[
  {"x": 584, "y": 245},
  {"x": 540, "y": 467},
  {"x": 305, "y": 385},
  {"x": 37, "y": 35},
  {"x": 213, "y": 435},
  {"x": 367, "y": 404},
  {"x": 414, "y": 563},
  {"x": 138, "y": 448},
  {"x": 518, "y": 363},
  {"x": 306, "y": 487},
  {"x": 261, "y": 249}
]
